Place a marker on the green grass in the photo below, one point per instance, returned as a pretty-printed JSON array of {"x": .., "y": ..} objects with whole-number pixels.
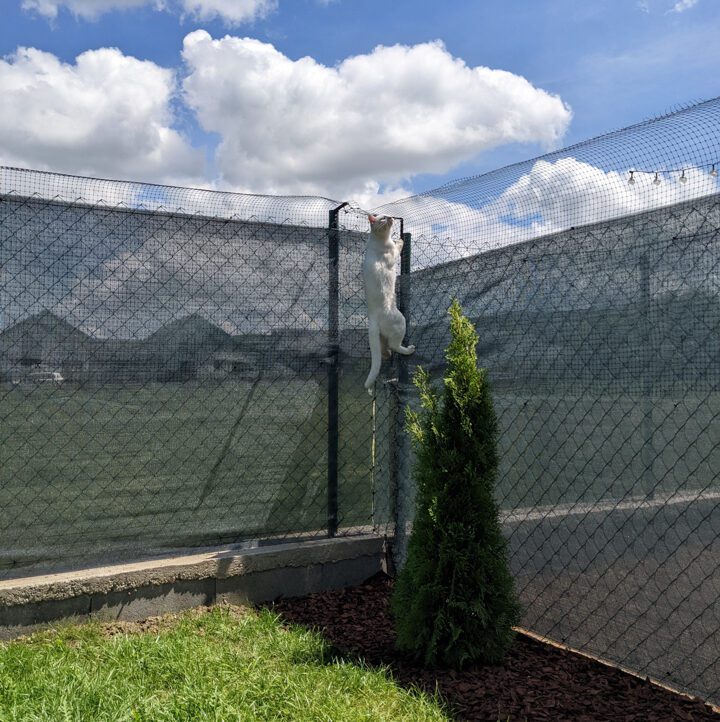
[
  {"x": 225, "y": 665},
  {"x": 565, "y": 448},
  {"x": 96, "y": 470},
  {"x": 119, "y": 471}
]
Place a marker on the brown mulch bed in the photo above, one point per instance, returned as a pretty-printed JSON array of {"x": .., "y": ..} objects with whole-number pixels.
[{"x": 536, "y": 681}]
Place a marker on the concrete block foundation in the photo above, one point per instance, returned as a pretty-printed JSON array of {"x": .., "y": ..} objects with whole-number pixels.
[{"x": 136, "y": 591}]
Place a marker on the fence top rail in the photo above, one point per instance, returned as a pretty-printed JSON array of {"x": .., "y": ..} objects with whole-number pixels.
[{"x": 141, "y": 197}]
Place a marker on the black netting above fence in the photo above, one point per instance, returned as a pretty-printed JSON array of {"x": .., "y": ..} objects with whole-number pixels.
[
  {"x": 201, "y": 203},
  {"x": 654, "y": 164}
]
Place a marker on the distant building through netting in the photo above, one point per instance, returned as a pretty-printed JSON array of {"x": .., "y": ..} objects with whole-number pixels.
[{"x": 183, "y": 368}]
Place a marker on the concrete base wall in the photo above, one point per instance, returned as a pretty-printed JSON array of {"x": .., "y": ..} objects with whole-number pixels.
[{"x": 144, "y": 589}]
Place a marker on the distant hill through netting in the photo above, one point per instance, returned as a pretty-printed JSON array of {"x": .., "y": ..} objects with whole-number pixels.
[{"x": 182, "y": 368}]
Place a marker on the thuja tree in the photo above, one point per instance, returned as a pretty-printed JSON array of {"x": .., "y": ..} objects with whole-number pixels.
[{"x": 454, "y": 602}]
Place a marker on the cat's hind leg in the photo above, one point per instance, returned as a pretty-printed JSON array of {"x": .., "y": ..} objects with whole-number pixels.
[
  {"x": 375, "y": 355},
  {"x": 396, "y": 333}
]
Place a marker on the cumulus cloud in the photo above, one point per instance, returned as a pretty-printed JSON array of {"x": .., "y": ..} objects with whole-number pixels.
[
  {"x": 89, "y": 9},
  {"x": 359, "y": 128},
  {"x": 231, "y": 12},
  {"x": 106, "y": 114},
  {"x": 557, "y": 195},
  {"x": 683, "y": 5}
]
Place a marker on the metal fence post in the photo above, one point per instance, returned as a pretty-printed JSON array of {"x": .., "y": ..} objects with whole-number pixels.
[
  {"x": 404, "y": 297},
  {"x": 648, "y": 450},
  {"x": 333, "y": 360},
  {"x": 400, "y": 441}
]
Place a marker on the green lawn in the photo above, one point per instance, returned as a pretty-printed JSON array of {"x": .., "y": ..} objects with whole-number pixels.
[
  {"x": 562, "y": 447},
  {"x": 566, "y": 447},
  {"x": 118, "y": 471},
  {"x": 227, "y": 664},
  {"x": 90, "y": 471}
]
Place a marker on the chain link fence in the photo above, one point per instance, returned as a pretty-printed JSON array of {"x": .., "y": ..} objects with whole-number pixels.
[
  {"x": 168, "y": 360},
  {"x": 183, "y": 368},
  {"x": 593, "y": 278}
]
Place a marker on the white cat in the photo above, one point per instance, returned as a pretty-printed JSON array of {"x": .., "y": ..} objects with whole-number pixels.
[{"x": 386, "y": 325}]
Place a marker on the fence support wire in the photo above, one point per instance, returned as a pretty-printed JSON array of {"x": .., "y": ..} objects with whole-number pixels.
[{"x": 398, "y": 394}]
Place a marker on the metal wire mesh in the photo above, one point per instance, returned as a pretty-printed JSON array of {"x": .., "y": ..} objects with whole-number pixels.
[
  {"x": 597, "y": 301},
  {"x": 164, "y": 373}
]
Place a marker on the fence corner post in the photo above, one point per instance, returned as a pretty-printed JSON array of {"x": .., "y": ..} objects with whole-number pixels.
[
  {"x": 401, "y": 502},
  {"x": 648, "y": 454},
  {"x": 333, "y": 359}
]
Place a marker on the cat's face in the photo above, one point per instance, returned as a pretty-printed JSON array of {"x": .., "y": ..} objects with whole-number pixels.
[{"x": 380, "y": 224}]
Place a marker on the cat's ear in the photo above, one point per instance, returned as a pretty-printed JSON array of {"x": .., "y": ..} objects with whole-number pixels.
[{"x": 372, "y": 218}]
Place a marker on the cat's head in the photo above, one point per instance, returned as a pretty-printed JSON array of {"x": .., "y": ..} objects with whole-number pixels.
[{"x": 380, "y": 225}]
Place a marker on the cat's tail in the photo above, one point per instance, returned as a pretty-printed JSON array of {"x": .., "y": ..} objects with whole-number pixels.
[{"x": 375, "y": 355}]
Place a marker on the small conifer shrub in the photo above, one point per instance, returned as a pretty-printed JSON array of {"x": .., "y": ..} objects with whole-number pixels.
[{"x": 454, "y": 602}]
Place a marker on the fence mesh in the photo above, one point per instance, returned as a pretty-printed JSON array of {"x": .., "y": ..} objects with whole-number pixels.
[
  {"x": 169, "y": 361},
  {"x": 164, "y": 371},
  {"x": 597, "y": 301}
]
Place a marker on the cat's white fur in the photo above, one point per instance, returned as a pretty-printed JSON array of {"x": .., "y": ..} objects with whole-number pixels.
[{"x": 386, "y": 325}]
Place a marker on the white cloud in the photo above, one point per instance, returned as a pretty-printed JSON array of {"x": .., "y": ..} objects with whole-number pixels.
[
  {"x": 373, "y": 120},
  {"x": 89, "y": 9},
  {"x": 558, "y": 195},
  {"x": 683, "y": 5},
  {"x": 106, "y": 114},
  {"x": 679, "y": 6},
  {"x": 231, "y": 12}
]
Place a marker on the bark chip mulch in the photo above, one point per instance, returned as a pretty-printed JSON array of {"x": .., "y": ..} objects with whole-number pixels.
[{"x": 535, "y": 682}]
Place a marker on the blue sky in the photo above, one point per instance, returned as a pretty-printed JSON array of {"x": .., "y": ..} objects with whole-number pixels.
[{"x": 191, "y": 116}]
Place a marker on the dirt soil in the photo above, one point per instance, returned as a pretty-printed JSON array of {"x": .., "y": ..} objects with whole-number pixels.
[{"x": 536, "y": 681}]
